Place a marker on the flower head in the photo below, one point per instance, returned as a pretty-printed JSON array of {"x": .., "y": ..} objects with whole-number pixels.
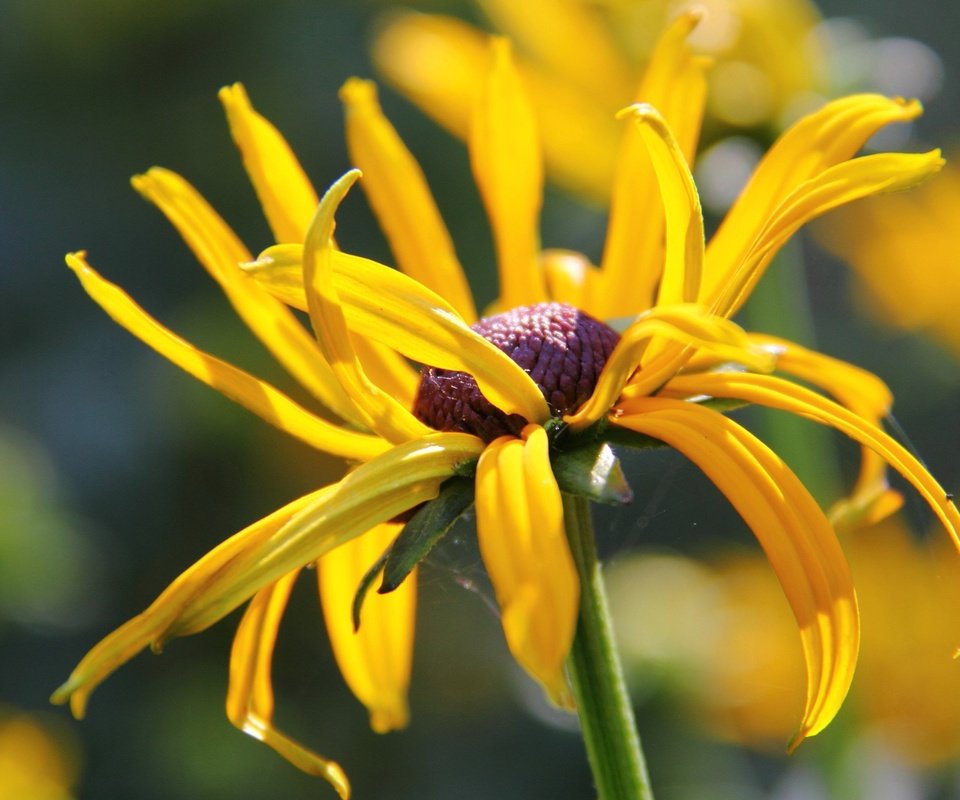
[{"x": 370, "y": 322}]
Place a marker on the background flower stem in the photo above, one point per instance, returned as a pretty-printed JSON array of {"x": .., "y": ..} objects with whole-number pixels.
[{"x": 603, "y": 705}]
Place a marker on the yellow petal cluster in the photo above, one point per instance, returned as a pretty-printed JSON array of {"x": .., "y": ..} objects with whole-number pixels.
[{"x": 370, "y": 323}]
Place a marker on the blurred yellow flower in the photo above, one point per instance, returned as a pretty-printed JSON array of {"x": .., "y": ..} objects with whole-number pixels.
[
  {"x": 582, "y": 61},
  {"x": 37, "y": 760},
  {"x": 904, "y": 249},
  {"x": 735, "y": 658},
  {"x": 549, "y": 379}
]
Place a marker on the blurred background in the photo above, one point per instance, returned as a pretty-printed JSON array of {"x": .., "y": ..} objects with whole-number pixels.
[{"x": 117, "y": 471}]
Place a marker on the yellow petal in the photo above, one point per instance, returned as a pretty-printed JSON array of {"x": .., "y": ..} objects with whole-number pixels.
[
  {"x": 687, "y": 325},
  {"x": 259, "y": 397},
  {"x": 439, "y": 63},
  {"x": 375, "y": 492},
  {"x": 384, "y": 305},
  {"x": 524, "y": 548},
  {"x": 550, "y": 31},
  {"x": 843, "y": 183},
  {"x": 818, "y": 141},
  {"x": 683, "y": 252},
  {"x": 381, "y": 411},
  {"x": 795, "y": 535},
  {"x": 435, "y": 60},
  {"x": 250, "y": 695},
  {"x": 220, "y": 252},
  {"x": 570, "y": 277},
  {"x": 150, "y": 627},
  {"x": 289, "y": 539},
  {"x": 871, "y": 498},
  {"x": 285, "y": 192},
  {"x": 376, "y": 659},
  {"x": 673, "y": 83},
  {"x": 768, "y": 390},
  {"x": 506, "y": 161},
  {"x": 401, "y": 199}
]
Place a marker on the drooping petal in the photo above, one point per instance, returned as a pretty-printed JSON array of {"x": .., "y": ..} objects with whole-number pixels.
[
  {"x": 284, "y": 191},
  {"x": 375, "y": 660},
  {"x": 220, "y": 252},
  {"x": 259, "y": 397},
  {"x": 818, "y": 141},
  {"x": 871, "y": 498},
  {"x": 524, "y": 548},
  {"x": 148, "y": 628},
  {"x": 289, "y": 539},
  {"x": 683, "y": 251},
  {"x": 382, "y": 413},
  {"x": 507, "y": 168},
  {"x": 795, "y": 535},
  {"x": 384, "y": 305},
  {"x": 250, "y": 694},
  {"x": 768, "y": 390},
  {"x": 674, "y": 83},
  {"x": 401, "y": 199},
  {"x": 687, "y": 325},
  {"x": 373, "y": 493},
  {"x": 843, "y": 183}
]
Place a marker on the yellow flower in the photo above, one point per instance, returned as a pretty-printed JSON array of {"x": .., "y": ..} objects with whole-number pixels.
[
  {"x": 732, "y": 636},
  {"x": 583, "y": 61},
  {"x": 370, "y": 321},
  {"x": 903, "y": 250},
  {"x": 38, "y": 760}
]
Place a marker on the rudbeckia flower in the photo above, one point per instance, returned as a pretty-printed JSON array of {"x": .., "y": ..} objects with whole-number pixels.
[
  {"x": 515, "y": 410},
  {"x": 584, "y": 61}
]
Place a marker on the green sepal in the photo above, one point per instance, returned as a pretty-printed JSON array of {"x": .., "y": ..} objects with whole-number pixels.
[
  {"x": 424, "y": 530},
  {"x": 592, "y": 471},
  {"x": 365, "y": 583}
]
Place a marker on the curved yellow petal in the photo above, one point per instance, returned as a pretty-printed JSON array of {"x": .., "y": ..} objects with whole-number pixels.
[
  {"x": 374, "y": 492},
  {"x": 836, "y": 186},
  {"x": 768, "y": 390},
  {"x": 506, "y": 160},
  {"x": 150, "y": 627},
  {"x": 375, "y": 660},
  {"x": 795, "y": 535},
  {"x": 871, "y": 498},
  {"x": 285, "y": 192},
  {"x": 818, "y": 141},
  {"x": 387, "y": 306},
  {"x": 401, "y": 199},
  {"x": 289, "y": 539},
  {"x": 381, "y": 411},
  {"x": 674, "y": 83},
  {"x": 683, "y": 251},
  {"x": 691, "y": 327},
  {"x": 259, "y": 397},
  {"x": 220, "y": 252},
  {"x": 570, "y": 277},
  {"x": 250, "y": 694},
  {"x": 524, "y": 548}
]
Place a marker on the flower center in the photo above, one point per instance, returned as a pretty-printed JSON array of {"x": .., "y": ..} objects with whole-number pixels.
[{"x": 561, "y": 348}]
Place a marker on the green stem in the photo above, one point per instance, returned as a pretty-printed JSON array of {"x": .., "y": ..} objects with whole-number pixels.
[{"x": 603, "y": 705}]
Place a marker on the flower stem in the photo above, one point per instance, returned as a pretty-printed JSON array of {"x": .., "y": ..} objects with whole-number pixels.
[{"x": 603, "y": 705}]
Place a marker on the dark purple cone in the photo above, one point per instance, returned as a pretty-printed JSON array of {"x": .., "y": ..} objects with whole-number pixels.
[{"x": 561, "y": 348}]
